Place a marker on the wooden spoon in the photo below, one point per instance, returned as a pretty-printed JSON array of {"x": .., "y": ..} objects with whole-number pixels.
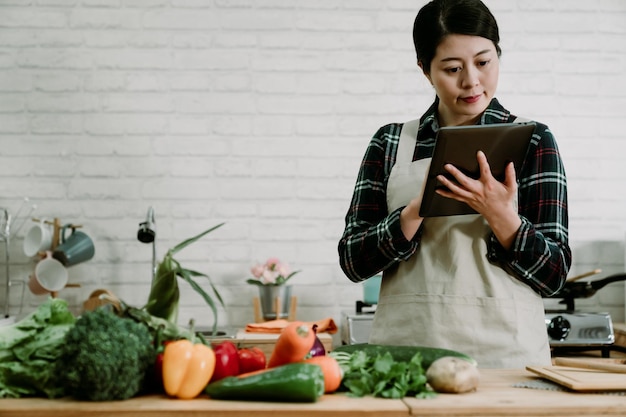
[{"x": 585, "y": 275}]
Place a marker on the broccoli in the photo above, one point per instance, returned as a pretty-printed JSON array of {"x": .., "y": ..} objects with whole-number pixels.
[{"x": 105, "y": 357}]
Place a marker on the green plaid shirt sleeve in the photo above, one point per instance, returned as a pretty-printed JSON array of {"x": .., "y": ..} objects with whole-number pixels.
[
  {"x": 540, "y": 255},
  {"x": 373, "y": 242}
]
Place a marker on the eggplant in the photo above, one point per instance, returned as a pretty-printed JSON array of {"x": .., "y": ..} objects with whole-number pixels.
[{"x": 318, "y": 348}]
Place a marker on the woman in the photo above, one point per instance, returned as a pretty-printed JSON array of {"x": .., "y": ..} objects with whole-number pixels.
[{"x": 472, "y": 283}]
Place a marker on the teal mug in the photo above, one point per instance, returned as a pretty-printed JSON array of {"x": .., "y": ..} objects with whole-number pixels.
[
  {"x": 74, "y": 249},
  {"x": 371, "y": 288}
]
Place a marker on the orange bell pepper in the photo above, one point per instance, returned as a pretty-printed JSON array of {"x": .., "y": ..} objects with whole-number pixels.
[{"x": 187, "y": 368}]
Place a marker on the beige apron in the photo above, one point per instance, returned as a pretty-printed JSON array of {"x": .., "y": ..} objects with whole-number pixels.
[{"x": 447, "y": 294}]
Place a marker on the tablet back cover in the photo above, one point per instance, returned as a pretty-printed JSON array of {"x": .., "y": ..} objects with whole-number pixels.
[{"x": 458, "y": 145}]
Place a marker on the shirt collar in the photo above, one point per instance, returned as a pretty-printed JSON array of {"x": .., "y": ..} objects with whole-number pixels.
[{"x": 494, "y": 113}]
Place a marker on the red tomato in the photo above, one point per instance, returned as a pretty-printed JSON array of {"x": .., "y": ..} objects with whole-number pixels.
[
  {"x": 226, "y": 360},
  {"x": 251, "y": 359}
]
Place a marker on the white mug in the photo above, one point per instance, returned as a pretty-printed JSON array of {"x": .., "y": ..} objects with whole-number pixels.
[
  {"x": 38, "y": 238},
  {"x": 50, "y": 276}
]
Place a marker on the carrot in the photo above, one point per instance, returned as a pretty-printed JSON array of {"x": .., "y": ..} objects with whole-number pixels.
[
  {"x": 293, "y": 344},
  {"x": 331, "y": 370}
]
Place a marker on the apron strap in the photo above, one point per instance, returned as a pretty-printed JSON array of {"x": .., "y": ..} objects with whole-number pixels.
[{"x": 408, "y": 139}]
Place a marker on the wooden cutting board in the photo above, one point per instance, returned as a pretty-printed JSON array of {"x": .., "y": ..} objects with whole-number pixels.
[{"x": 579, "y": 379}]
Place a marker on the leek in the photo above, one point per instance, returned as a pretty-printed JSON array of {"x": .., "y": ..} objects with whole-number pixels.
[{"x": 163, "y": 300}]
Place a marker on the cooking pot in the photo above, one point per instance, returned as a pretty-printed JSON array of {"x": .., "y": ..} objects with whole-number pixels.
[{"x": 584, "y": 289}]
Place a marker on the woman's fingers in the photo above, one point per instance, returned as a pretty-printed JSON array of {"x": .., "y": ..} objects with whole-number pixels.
[{"x": 483, "y": 165}]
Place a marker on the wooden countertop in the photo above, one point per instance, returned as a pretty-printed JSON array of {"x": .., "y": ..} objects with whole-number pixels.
[
  {"x": 159, "y": 406},
  {"x": 496, "y": 396}
]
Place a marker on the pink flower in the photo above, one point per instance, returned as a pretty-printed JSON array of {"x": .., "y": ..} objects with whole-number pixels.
[
  {"x": 257, "y": 270},
  {"x": 271, "y": 263},
  {"x": 272, "y": 272},
  {"x": 283, "y": 269},
  {"x": 269, "y": 277}
]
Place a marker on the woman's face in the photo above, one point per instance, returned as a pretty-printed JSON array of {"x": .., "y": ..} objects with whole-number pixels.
[{"x": 464, "y": 73}]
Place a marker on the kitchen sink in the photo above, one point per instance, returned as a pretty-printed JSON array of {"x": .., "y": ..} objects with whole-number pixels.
[{"x": 222, "y": 333}]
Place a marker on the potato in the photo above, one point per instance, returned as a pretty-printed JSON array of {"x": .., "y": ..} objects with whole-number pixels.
[{"x": 452, "y": 375}]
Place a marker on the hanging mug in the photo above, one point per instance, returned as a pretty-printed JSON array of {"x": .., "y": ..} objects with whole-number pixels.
[
  {"x": 38, "y": 238},
  {"x": 74, "y": 249},
  {"x": 50, "y": 276}
]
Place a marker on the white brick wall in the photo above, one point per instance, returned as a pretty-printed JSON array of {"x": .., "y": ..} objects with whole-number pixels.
[{"x": 257, "y": 114}]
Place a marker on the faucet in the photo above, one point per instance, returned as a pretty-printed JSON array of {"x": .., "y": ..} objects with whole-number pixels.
[
  {"x": 5, "y": 223},
  {"x": 147, "y": 234}
]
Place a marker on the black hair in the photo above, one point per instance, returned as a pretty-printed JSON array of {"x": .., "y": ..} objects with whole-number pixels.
[{"x": 440, "y": 18}]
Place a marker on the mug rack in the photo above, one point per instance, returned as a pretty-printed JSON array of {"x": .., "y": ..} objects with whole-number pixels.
[
  {"x": 56, "y": 239},
  {"x": 56, "y": 231}
]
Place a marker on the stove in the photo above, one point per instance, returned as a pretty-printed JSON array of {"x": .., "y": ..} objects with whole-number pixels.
[
  {"x": 568, "y": 331},
  {"x": 357, "y": 325},
  {"x": 579, "y": 329},
  {"x": 572, "y": 331}
]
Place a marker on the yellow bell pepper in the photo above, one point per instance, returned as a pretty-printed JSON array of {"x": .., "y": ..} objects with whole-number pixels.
[{"x": 187, "y": 368}]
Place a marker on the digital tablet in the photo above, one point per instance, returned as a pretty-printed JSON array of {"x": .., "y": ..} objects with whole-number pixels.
[{"x": 457, "y": 145}]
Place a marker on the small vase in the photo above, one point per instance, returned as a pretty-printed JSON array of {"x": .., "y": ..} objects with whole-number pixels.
[{"x": 268, "y": 295}]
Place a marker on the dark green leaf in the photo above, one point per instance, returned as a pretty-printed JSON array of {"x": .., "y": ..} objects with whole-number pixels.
[
  {"x": 359, "y": 360},
  {"x": 215, "y": 291},
  {"x": 191, "y": 240},
  {"x": 383, "y": 363},
  {"x": 187, "y": 277}
]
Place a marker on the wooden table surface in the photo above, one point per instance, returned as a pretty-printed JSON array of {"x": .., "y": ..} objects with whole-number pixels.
[{"x": 496, "y": 396}]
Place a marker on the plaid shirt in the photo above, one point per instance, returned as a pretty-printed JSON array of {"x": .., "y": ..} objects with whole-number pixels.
[{"x": 540, "y": 255}]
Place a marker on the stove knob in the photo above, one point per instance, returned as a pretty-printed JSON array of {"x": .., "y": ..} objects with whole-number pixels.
[{"x": 559, "y": 328}]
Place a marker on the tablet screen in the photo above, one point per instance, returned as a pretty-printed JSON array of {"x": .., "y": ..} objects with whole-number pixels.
[{"x": 502, "y": 143}]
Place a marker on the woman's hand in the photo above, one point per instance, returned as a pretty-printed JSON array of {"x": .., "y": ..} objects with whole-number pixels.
[
  {"x": 493, "y": 199},
  {"x": 410, "y": 219}
]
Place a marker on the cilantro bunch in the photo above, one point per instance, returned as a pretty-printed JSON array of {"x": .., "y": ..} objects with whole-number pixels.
[{"x": 382, "y": 376}]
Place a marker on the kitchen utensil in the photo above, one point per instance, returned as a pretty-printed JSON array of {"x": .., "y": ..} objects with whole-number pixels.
[
  {"x": 584, "y": 275},
  {"x": 371, "y": 288},
  {"x": 38, "y": 238},
  {"x": 101, "y": 297},
  {"x": 50, "y": 276},
  {"x": 579, "y": 379},
  {"x": 584, "y": 289},
  {"x": 76, "y": 248},
  {"x": 618, "y": 367}
]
